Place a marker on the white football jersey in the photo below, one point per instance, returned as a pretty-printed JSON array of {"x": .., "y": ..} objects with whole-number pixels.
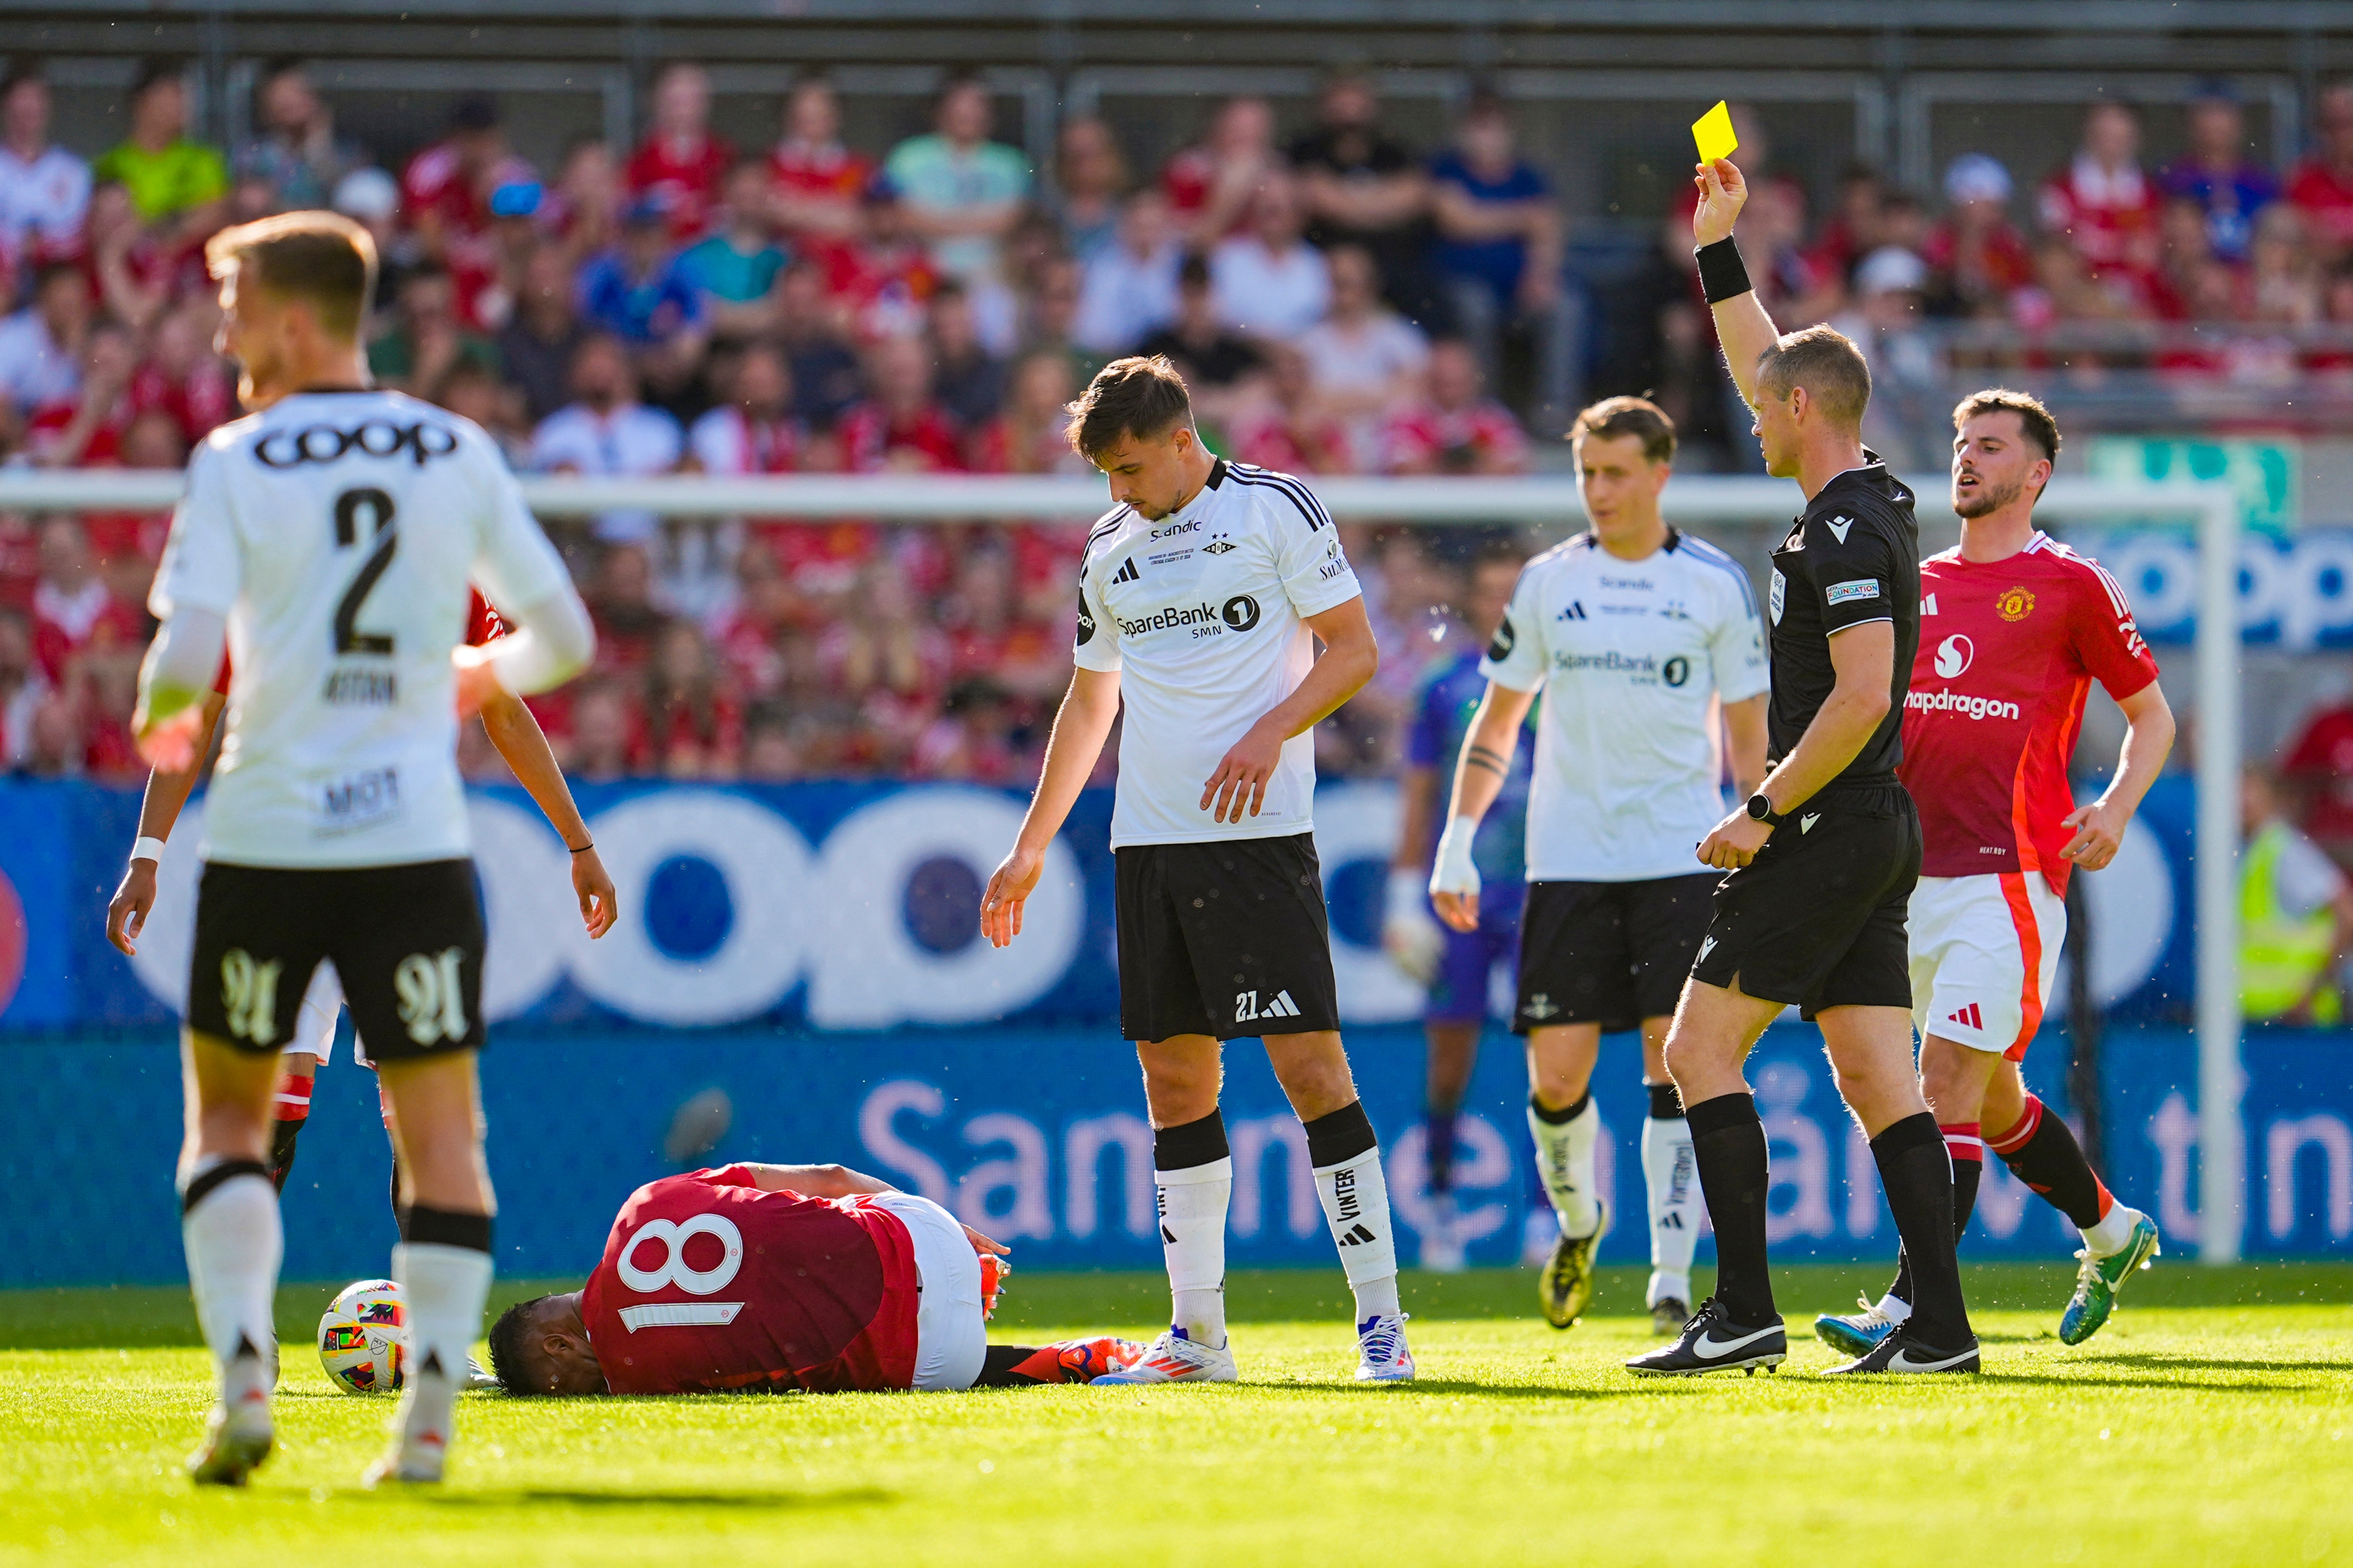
[
  {"x": 338, "y": 533},
  {"x": 1203, "y": 615},
  {"x": 1630, "y": 655}
]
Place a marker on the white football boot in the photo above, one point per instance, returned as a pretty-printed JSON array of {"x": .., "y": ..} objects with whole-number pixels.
[
  {"x": 1173, "y": 1358},
  {"x": 1381, "y": 1355}
]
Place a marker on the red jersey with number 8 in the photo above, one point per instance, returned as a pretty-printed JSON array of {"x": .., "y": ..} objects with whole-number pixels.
[
  {"x": 709, "y": 1284},
  {"x": 2008, "y": 652}
]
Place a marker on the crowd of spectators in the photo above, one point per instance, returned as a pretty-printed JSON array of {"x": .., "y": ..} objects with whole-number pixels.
[{"x": 1340, "y": 302}]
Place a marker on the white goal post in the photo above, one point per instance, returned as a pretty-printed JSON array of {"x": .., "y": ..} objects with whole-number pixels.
[{"x": 1708, "y": 500}]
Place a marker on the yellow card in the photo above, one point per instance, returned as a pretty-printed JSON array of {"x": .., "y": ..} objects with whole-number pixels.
[{"x": 1711, "y": 134}]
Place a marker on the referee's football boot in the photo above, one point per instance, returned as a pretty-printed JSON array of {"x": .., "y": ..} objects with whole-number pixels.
[
  {"x": 1173, "y": 1358},
  {"x": 238, "y": 1434},
  {"x": 1856, "y": 1334},
  {"x": 1565, "y": 1287},
  {"x": 2098, "y": 1279},
  {"x": 1712, "y": 1342},
  {"x": 1904, "y": 1351}
]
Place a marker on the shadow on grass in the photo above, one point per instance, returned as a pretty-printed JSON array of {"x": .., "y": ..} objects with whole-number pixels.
[
  {"x": 859, "y": 1497},
  {"x": 2158, "y": 1361}
]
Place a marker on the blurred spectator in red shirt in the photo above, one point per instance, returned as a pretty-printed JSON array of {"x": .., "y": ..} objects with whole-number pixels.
[
  {"x": 1453, "y": 429},
  {"x": 2320, "y": 762},
  {"x": 751, "y": 636},
  {"x": 681, "y": 162},
  {"x": 901, "y": 425},
  {"x": 1210, "y": 185},
  {"x": 2283, "y": 277},
  {"x": 1976, "y": 258},
  {"x": 182, "y": 376},
  {"x": 819, "y": 183},
  {"x": 583, "y": 211},
  {"x": 2228, "y": 187},
  {"x": 887, "y": 276},
  {"x": 1855, "y": 226},
  {"x": 73, "y": 609},
  {"x": 755, "y": 431},
  {"x": 695, "y": 724},
  {"x": 445, "y": 195},
  {"x": 1090, "y": 177},
  {"x": 44, "y": 188},
  {"x": 129, "y": 270},
  {"x": 105, "y": 691},
  {"x": 1281, "y": 426},
  {"x": 2102, "y": 201},
  {"x": 2322, "y": 185},
  {"x": 969, "y": 380},
  {"x": 85, "y": 430},
  {"x": 603, "y": 742},
  {"x": 990, "y": 637}
]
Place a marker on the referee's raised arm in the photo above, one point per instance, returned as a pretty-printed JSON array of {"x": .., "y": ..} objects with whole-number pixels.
[{"x": 1741, "y": 324}]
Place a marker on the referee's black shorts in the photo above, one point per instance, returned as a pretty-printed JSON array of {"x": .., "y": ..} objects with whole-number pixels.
[
  {"x": 1817, "y": 919},
  {"x": 1611, "y": 953},
  {"x": 1226, "y": 937}
]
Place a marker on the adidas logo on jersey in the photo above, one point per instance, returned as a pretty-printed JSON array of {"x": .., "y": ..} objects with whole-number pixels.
[
  {"x": 1127, "y": 572},
  {"x": 1247, "y": 1007},
  {"x": 1576, "y": 612},
  {"x": 1928, "y": 605},
  {"x": 1967, "y": 1017},
  {"x": 1358, "y": 1237}
]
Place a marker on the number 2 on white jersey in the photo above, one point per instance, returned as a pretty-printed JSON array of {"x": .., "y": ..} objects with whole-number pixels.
[{"x": 348, "y": 506}]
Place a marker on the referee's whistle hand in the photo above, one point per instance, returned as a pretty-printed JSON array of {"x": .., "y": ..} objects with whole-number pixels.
[
  {"x": 1735, "y": 842},
  {"x": 1009, "y": 888}
]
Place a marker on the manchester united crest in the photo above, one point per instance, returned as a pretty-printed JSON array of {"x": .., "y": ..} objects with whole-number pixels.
[{"x": 2015, "y": 605}]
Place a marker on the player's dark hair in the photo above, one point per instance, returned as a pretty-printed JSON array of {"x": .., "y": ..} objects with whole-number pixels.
[
  {"x": 22, "y": 70},
  {"x": 510, "y": 1347},
  {"x": 321, "y": 257},
  {"x": 1825, "y": 362},
  {"x": 2034, "y": 419},
  {"x": 153, "y": 71},
  {"x": 1614, "y": 418},
  {"x": 1137, "y": 397}
]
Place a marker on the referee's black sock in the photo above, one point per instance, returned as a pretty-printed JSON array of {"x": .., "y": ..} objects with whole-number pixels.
[
  {"x": 1918, "y": 1176},
  {"x": 1728, "y": 1142},
  {"x": 1968, "y": 1150}
]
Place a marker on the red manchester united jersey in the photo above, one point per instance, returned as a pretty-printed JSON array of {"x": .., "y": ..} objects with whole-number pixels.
[
  {"x": 2008, "y": 651},
  {"x": 709, "y": 1284}
]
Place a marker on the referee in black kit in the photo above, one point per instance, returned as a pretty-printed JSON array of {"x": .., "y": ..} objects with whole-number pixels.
[{"x": 1823, "y": 857}]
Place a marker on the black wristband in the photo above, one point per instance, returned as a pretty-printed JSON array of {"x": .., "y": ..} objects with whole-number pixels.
[{"x": 1721, "y": 274}]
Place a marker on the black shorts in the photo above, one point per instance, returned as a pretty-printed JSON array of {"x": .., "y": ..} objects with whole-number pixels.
[
  {"x": 1226, "y": 938},
  {"x": 406, "y": 941},
  {"x": 1611, "y": 953},
  {"x": 1817, "y": 919}
]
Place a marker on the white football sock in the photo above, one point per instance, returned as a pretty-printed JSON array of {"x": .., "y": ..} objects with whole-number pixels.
[
  {"x": 1565, "y": 1154},
  {"x": 1896, "y": 1308},
  {"x": 1356, "y": 1197},
  {"x": 1670, "y": 1179},
  {"x": 1193, "y": 1205},
  {"x": 234, "y": 1243},
  {"x": 2108, "y": 1238},
  {"x": 444, "y": 1289}
]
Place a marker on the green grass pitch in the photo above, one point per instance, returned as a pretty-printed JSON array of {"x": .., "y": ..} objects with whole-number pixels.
[{"x": 2210, "y": 1422}]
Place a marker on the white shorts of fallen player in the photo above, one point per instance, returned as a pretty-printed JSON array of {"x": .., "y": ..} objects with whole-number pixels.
[
  {"x": 951, "y": 1334},
  {"x": 314, "y": 1021},
  {"x": 1985, "y": 952}
]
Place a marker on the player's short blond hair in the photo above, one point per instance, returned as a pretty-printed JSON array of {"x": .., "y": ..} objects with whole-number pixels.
[
  {"x": 1615, "y": 417},
  {"x": 322, "y": 259},
  {"x": 1825, "y": 362}
]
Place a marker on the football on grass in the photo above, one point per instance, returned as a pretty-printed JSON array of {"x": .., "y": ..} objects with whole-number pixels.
[{"x": 364, "y": 1337}]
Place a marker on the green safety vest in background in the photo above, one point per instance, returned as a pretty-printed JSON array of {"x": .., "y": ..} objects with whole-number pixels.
[{"x": 2280, "y": 955}]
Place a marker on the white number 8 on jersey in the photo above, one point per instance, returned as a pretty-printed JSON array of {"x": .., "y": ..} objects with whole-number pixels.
[{"x": 673, "y": 1270}]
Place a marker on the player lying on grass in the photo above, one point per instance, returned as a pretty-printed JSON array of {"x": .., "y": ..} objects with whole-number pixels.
[{"x": 776, "y": 1277}]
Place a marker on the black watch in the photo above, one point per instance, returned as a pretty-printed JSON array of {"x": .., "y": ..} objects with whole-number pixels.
[{"x": 1760, "y": 808}]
